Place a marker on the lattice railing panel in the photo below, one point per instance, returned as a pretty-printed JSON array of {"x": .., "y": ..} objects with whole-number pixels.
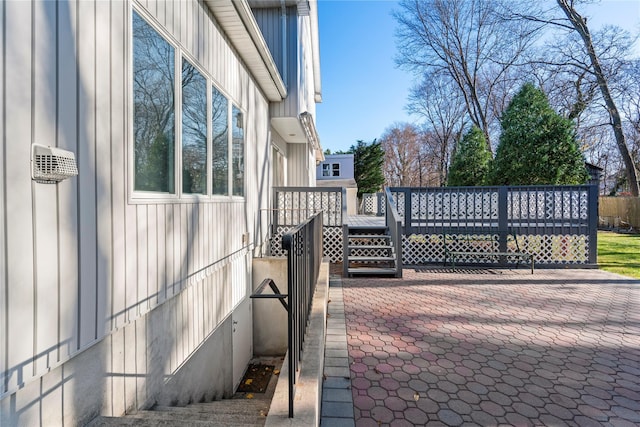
[
  {"x": 556, "y": 249},
  {"x": 558, "y": 204},
  {"x": 419, "y": 249},
  {"x": 293, "y": 207},
  {"x": 369, "y": 204},
  {"x": 332, "y": 242},
  {"x": 469, "y": 205}
]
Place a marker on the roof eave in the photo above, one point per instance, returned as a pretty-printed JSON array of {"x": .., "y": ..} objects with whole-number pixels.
[
  {"x": 315, "y": 41},
  {"x": 237, "y": 21}
]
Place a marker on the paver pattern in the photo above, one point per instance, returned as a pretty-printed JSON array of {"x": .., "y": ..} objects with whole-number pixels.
[{"x": 560, "y": 347}]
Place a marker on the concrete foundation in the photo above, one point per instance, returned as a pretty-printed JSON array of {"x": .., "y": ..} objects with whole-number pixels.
[
  {"x": 269, "y": 316},
  {"x": 130, "y": 369}
]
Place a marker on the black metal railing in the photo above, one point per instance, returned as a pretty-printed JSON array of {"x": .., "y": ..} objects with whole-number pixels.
[
  {"x": 304, "y": 255},
  {"x": 394, "y": 224},
  {"x": 275, "y": 295}
]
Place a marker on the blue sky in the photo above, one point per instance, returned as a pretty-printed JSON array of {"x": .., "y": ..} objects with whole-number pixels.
[{"x": 363, "y": 91}]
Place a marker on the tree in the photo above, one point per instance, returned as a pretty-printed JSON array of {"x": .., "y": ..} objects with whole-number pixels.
[
  {"x": 604, "y": 53},
  {"x": 471, "y": 161},
  {"x": 537, "y": 145},
  {"x": 580, "y": 25},
  {"x": 401, "y": 147},
  {"x": 470, "y": 44},
  {"x": 368, "y": 160},
  {"x": 630, "y": 106},
  {"x": 437, "y": 101}
]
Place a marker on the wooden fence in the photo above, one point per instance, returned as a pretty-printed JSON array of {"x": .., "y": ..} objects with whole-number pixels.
[{"x": 618, "y": 212}]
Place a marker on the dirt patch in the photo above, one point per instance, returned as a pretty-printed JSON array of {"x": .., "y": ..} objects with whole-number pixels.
[{"x": 256, "y": 378}]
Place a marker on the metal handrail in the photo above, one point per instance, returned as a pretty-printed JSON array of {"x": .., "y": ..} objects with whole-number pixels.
[
  {"x": 304, "y": 256},
  {"x": 394, "y": 224},
  {"x": 276, "y": 293}
]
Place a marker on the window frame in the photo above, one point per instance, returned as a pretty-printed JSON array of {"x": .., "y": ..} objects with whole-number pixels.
[
  {"x": 140, "y": 194},
  {"x": 244, "y": 152},
  {"x": 178, "y": 196},
  {"x": 208, "y": 184},
  {"x": 229, "y": 137}
]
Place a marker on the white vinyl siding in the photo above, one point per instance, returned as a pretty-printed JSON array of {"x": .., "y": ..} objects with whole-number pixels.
[
  {"x": 269, "y": 20},
  {"x": 83, "y": 263}
]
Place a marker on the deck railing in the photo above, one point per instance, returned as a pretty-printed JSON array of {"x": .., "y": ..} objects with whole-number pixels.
[
  {"x": 394, "y": 224},
  {"x": 557, "y": 224},
  {"x": 292, "y": 205}
]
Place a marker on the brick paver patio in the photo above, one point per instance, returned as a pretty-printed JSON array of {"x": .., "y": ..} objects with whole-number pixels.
[{"x": 501, "y": 347}]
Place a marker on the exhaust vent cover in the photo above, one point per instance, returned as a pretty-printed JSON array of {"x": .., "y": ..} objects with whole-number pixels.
[{"x": 50, "y": 165}]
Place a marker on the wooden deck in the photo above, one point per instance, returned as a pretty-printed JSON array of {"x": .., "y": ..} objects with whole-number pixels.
[{"x": 365, "y": 220}]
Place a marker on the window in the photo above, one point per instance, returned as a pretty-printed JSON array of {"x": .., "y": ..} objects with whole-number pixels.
[
  {"x": 326, "y": 169},
  {"x": 237, "y": 149},
  {"x": 194, "y": 130},
  {"x": 336, "y": 169},
  {"x": 153, "y": 110},
  {"x": 156, "y": 159},
  {"x": 220, "y": 144}
]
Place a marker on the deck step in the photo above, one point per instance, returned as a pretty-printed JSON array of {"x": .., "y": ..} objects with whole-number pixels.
[
  {"x": 368, "y": 227},
  {"x": 369, "y": 236},
  {"x": 372, "y": 271},
  {"x": 375, "y": 256},
  {"x": 370, "y": 247},
  {"x": 371, "y": 258}
]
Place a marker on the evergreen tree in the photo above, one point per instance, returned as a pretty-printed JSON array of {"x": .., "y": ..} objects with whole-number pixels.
[
  {"x": 368, "y": 160},
  {"x": 537, "y": 145},
  {"x": 471, "y": 162}
]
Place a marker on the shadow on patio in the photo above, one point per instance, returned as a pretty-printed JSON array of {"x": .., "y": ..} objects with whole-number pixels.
[{"x": 561, "y": 347}]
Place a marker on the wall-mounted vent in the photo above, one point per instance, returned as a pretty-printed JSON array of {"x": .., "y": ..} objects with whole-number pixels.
[{"x": 50, "y": 165}]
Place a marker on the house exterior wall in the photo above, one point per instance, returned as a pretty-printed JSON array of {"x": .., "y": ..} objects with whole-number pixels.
[
  {"x": 301, "y": 172},
  {"x": 346, "y": 167},
  {"x": 271, "y": 23},
  {"x": 294, "y": 59},
  {"x": 111, "y": 302}
]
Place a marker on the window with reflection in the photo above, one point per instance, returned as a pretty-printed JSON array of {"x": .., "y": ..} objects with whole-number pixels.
[
  {"x": 237, "y": 150},
  {"x": 194, "y": 130},
  {"x": 153, "y": 109},
  {"x": 220, "y": 143}
]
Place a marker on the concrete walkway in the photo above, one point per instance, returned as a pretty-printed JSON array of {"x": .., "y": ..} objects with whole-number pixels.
[{"x": 488, "y": 348}]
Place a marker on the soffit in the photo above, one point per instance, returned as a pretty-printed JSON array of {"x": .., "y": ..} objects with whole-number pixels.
[
  {"x": 238, "y": 23},
  {"x": 290, "y": 129}
]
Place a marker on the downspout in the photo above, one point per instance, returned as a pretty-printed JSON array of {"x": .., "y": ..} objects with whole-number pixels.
[{"x": 285, "y": 62}]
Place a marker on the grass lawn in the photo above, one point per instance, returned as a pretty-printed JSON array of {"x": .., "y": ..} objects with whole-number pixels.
[{"x": 619, "y": 253}]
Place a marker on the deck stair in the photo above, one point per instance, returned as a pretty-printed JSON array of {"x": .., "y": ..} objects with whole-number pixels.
[{"x": 369, "y": 251}]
